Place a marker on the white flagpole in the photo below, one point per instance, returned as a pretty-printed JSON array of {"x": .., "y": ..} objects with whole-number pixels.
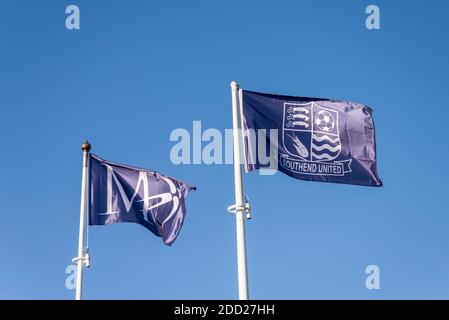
[
  {"x": 239, "y": 208},
  {"x": 82, "y": 257}
]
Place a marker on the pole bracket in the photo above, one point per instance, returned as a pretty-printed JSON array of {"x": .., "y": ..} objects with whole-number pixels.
[
  {"x": 85, "y": 259},
  {"x": 246, "y": 208}
]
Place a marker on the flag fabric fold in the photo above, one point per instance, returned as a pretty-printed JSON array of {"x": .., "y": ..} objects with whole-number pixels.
[
  {"x": 317, "y": 139},
  {"x": 121, "y": 193}
]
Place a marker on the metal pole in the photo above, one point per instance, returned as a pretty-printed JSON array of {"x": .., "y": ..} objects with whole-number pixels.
[
  {"x": 239, "y": 205},
  {"x": 80, "y": 259}
]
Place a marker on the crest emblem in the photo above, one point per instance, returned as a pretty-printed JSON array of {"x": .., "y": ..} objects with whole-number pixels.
[
  {"x": 311, "y": 139},
  {"x": 310, "y": 132}
]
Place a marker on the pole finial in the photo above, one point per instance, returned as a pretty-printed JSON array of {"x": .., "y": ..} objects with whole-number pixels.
[
  {"x": 234, "y": 84},
  {"x": 86, "y": 146}
]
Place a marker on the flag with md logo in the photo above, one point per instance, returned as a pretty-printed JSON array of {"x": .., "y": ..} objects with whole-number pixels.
[
  {"x": 317, "y": 139},
  {"x": 121, "y": 193}
]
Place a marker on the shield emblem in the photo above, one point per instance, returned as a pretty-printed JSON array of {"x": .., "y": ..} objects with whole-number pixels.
[{"x": 310, "y": 132}]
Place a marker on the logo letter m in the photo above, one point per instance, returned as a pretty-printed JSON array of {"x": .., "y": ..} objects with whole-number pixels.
[{"x": 127, "y": 202}]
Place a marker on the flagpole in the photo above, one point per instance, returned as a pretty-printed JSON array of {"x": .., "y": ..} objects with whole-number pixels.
[
  {"x": 239, "y": 206},
  {"x": 81, "y": 258}
]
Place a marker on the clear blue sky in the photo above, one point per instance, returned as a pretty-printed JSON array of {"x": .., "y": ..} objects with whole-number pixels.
[{"x": 139, "y": 69}]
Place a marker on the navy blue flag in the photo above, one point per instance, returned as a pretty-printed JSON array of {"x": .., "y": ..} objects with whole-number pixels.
[
  {"x": 120, "y": 193},
  {"x": 317, "y": 139}
]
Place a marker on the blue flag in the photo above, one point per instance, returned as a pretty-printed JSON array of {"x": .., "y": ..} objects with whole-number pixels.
[
  {"x": 120, "y": 193},
  {"x": 317, "y": 139}
]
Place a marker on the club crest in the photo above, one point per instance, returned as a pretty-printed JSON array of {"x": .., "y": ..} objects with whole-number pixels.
[{"x": 310, "y": 136}]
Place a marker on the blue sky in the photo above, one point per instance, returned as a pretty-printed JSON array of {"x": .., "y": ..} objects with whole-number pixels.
[{"x": 139, "y": 69}]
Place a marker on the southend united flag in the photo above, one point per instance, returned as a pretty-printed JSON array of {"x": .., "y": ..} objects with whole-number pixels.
[
  {"x": 317, "y": 139},
  {"x": 120, "y": 193}
]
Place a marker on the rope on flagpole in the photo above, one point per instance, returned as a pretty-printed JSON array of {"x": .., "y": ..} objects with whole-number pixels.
[{"x": 86, "y": 254}]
